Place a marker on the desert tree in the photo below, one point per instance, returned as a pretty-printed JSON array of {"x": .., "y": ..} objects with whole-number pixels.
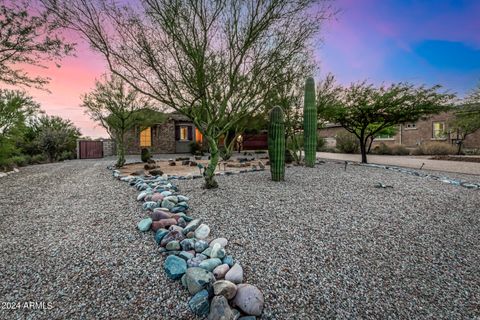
[
  {"x": 365, "y": 110},
  {"x": 467, "y": 118},
  {"x": 28, "y": 37},
  {"x": 211, "y": 60},
  {"x": 16, "y": 110},
  {"x": 119, "y": 109}
]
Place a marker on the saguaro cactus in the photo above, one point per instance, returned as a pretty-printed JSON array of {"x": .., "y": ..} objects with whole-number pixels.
[
  {"x": 276, "y": 144},
  {"x": 310, "y": 123}
]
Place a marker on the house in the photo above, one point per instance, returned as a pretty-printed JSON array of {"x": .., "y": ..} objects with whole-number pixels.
[
  {"x": 412, "y": 134},
  {"x": 174, "y": 135}
]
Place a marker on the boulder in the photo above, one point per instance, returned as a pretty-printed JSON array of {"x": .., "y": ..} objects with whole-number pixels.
[
  {"x": 145, "y": 224},
  {"x": 225, "y": 288},
  {"x": 175, "y": 267},
  {"x": 220, "y": 310},
  {"x": 199, "y": 304},
  {"x": 220, "y": 271},
  {"x": 172, "y": 236},
  {"x": 197, "y": 279},
  {"x": 210, "y": 264},
  {"x": 192, "y": 225},
  {"x": 163, "y": 224},
  {"x": 249, "y": 299},
  {"x": 160, "y": 234},
  {"x": 202, "y": 232},
  {"x": 235, "y": 274}
]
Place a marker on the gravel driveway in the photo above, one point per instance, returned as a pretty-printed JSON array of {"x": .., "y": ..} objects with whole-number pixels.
[
  {"x": 68, "y": 238},
  {"x": 327, "y": 244},
  {"x": 323, "y": 244}
]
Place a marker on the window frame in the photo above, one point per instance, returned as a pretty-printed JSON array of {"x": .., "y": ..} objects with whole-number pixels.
[{"x": 442, "y": 132}]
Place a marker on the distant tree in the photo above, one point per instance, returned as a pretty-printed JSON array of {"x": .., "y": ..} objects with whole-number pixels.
[
  {"x": 467, "y": 118},
  {"x": 16, "y": 109},
  {"x": 52, "y": 135},
  {"x": 119, "y": 109},
  {"x": 365, "y": 110},
  {"x": 28, "y": 39},
  {"x": 211, "y": 60}
]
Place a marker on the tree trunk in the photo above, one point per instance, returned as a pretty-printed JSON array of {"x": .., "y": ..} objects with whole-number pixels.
[
  {"x": 370, "y": 144},
  {"x": 120, "y": 152},
  {"x": 363, "y": 149},
  {"x": 210, "y": 182},
  {"x": 459, "y": 147}
]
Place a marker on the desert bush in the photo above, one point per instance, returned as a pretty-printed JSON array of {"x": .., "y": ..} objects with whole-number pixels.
[
  {"x": 347, "y": 142},
  {"x": 400, "y": 150},
  {"x": 196, "y": 148},
  {"x": 435, "y": 148},
  {"x": 382, "y": 148},
  {"x": 224, "y": 153},
  {"x": 145, "y": 155},
  {"x": 38, "y": 158},
  {"x": 320, "y": 143},
  {"x": 20, "y": 161},
  {"x": 66, "y": 155}
]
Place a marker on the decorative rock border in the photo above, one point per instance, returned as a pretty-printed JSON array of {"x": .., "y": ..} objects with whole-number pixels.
[
  {"x": 444, "y": 179},
  {"x": 213, "y": 278},
  {"x": 4, "y": 174}
]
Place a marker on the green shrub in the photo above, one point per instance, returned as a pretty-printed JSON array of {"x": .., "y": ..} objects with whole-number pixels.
[
  {"x": 145, "y": 155},
  {"x": 20, "y": 161},
  {"x": 66, "y": 155},
  {"x": 347, "y": 142},
  {"x": 6, "y": 164},
  {"x": 396, "y": 150},
  {"x": 435, "y": 148},
  {"x": 196, "y": 148},
  {"x": 224, "y": 154},
  {"x": 38, "y": 158},
  {"x": 320, "y": 143}
]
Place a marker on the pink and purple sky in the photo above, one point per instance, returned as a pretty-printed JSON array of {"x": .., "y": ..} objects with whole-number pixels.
[{"x": 424, "y": 42}]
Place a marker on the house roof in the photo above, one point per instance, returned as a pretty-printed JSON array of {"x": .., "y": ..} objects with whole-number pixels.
[{"x": 177, "y": 116}]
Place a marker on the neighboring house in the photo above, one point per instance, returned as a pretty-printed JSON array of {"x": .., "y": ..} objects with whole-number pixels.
[
  {"x": 434, "y": 128},
  {"x": 172, "y": 136}
]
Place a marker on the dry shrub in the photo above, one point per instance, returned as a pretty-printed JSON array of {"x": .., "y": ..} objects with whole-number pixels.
[{"x": 435, "y": 148}]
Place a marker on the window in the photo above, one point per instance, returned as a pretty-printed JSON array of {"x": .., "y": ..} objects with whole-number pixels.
[
  {"x": 438, "y": 130},
  {"x": 411, "y": 125},
  {"x": 183, "y": 133},
  {"x": 198, "y": 136},
  {"x": 146, "y": 137}
]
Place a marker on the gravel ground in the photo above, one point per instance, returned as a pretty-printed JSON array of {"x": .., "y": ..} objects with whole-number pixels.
[
  {"x": 323, "y": 244},
  {"x": 327, "y": 244},
  {"x": 68, "y": 238}
]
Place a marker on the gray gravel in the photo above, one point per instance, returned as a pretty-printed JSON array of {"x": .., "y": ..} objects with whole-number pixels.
[
  {"x": 68, "y": 237},
  {"x": 327, "y": 244},
  {"x": 323, "y": 244}
]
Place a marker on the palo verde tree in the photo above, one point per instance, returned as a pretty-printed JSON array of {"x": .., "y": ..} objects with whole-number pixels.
[
  {"x": 467, "y": 118},
  {"x": 211, "y": 60},
  {"x": 366, "y": 110},
  {"x": 28, "y": 37},
  {"x": 119, "y": 109}
]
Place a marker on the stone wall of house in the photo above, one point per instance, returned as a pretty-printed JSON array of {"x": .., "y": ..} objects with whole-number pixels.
[
  {"x": 163, "y": 139},
  {"x": 108, "y": 147}
]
